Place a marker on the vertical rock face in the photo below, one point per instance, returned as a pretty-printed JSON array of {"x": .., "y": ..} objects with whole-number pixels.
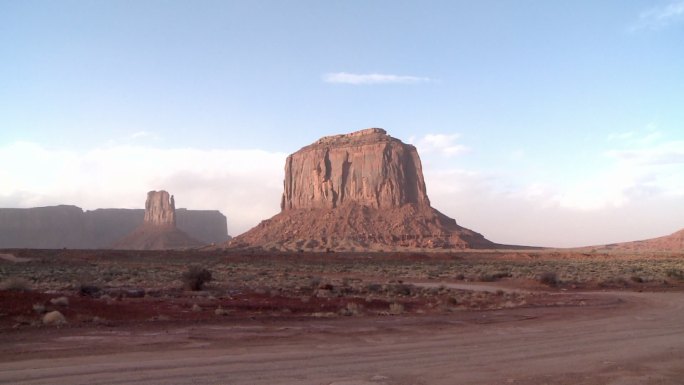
[
  {"x": 160, "y": 209},
  {"x": 360, "y": 191},
  {"x": 367, "y": 167}
]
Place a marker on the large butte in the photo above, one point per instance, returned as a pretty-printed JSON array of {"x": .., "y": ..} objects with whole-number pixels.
[{"x": 359, "y": 191}]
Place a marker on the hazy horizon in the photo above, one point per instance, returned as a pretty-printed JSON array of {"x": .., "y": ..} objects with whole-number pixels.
[{"x": 537, "y": 123}]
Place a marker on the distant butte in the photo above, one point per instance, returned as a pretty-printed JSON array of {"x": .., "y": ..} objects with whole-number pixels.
[
  {"x": 359, "y": 191},
  {"x": 158, "y": 231}
]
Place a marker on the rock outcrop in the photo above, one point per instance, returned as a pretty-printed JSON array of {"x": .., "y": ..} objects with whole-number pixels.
[
  {"x": 158, "y": 230},
  {"x": 359, "y": 191},
  {"x": 56, "y": 227}
]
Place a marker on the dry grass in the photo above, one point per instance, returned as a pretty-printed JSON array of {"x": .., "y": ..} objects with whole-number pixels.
[
  {"x": 342, "y": 281},
  {"x": 15, "y": 283}
]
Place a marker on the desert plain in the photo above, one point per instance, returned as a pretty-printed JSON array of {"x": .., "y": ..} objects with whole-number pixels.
[
  {"x": 357, "y": 281},
  {"x": 457, "y": 317}
]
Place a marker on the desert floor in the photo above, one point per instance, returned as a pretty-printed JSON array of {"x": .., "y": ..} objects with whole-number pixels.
[{"x": 441, "y": 318}]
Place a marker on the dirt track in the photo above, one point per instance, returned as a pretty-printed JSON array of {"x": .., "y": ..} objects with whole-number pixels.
[{"x": 631, "y": 338}]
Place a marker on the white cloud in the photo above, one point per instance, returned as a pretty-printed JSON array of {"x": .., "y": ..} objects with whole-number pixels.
[
  {"x": 661, "y": 154},
  {"x": 443, "y": 144},
  {"x": 621, "y": 136},
  {"x": 544, "y": 214},
  {"x": 648, "y": 173},
  {"x": 374, "y": 78},
  {"x": 661, "y": 17},
  {"x": 641, "y": 164},
  {"x": 142, "y": 134},
  {"x": 632, "y": 191},
  {"x": 245, "y": 185}
]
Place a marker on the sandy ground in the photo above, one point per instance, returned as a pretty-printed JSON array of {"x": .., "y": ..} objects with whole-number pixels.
[{"x": 623, "y": 338}]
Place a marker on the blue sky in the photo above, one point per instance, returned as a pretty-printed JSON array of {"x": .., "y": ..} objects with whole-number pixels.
[{"x": 538, "y": 122}]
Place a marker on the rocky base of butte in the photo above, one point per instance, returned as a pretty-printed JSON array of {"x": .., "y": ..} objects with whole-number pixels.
[{"x": 359, "y": 191}]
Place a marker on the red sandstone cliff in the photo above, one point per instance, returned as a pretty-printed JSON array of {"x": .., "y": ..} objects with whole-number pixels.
[{"x": 359, "y": 191}]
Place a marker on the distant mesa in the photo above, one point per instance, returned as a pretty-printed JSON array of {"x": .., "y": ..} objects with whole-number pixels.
[
  {"x": 158, "y": 230},
  {"x": 56, "y": 227},
  {"x": 359, "y": 191}
]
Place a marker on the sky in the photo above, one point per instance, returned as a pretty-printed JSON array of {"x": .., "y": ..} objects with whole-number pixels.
[{"x": 550, "y": 123}]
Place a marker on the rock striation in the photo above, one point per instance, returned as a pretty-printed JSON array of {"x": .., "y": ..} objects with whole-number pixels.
[
  {"x": 158, "y": 230},
  {"x": 359, "y": 191}
]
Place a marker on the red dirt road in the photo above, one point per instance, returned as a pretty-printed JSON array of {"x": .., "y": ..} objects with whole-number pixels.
[{"x": 630, "y": 338}]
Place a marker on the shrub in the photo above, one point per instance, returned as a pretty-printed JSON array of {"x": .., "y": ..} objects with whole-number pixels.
[
  {"x": 494, "y": 277},
  {"x": 548, "y": 278},
  {"x": 195, "y": 278},
  {"x": 89, "y": 290},
  {"x": 402, "y": 289},
  {"x": 15, "y": 284},
  {"x": 637, "y": 279},
  {"x": 675, "y": 274},
  {"x": 352, "y": 308},
  {"x": 314, "y": 282},
  {"x": 374, "y": 287},
  {"x": 396, "y": 308}
]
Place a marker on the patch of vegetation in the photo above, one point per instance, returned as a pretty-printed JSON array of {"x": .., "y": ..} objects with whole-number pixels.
[
  {"x": 15, "y": 284},
  {"x": 396, "y": 308},
  {"x": 549, "y": 278},
  {"x": 89, "y": 291},
  {"x": 493, "y": 277},
  {"x": 196, "y": 277},
  {"x": 637, "y": 279},
  {"x": 675, "y": 274}
]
